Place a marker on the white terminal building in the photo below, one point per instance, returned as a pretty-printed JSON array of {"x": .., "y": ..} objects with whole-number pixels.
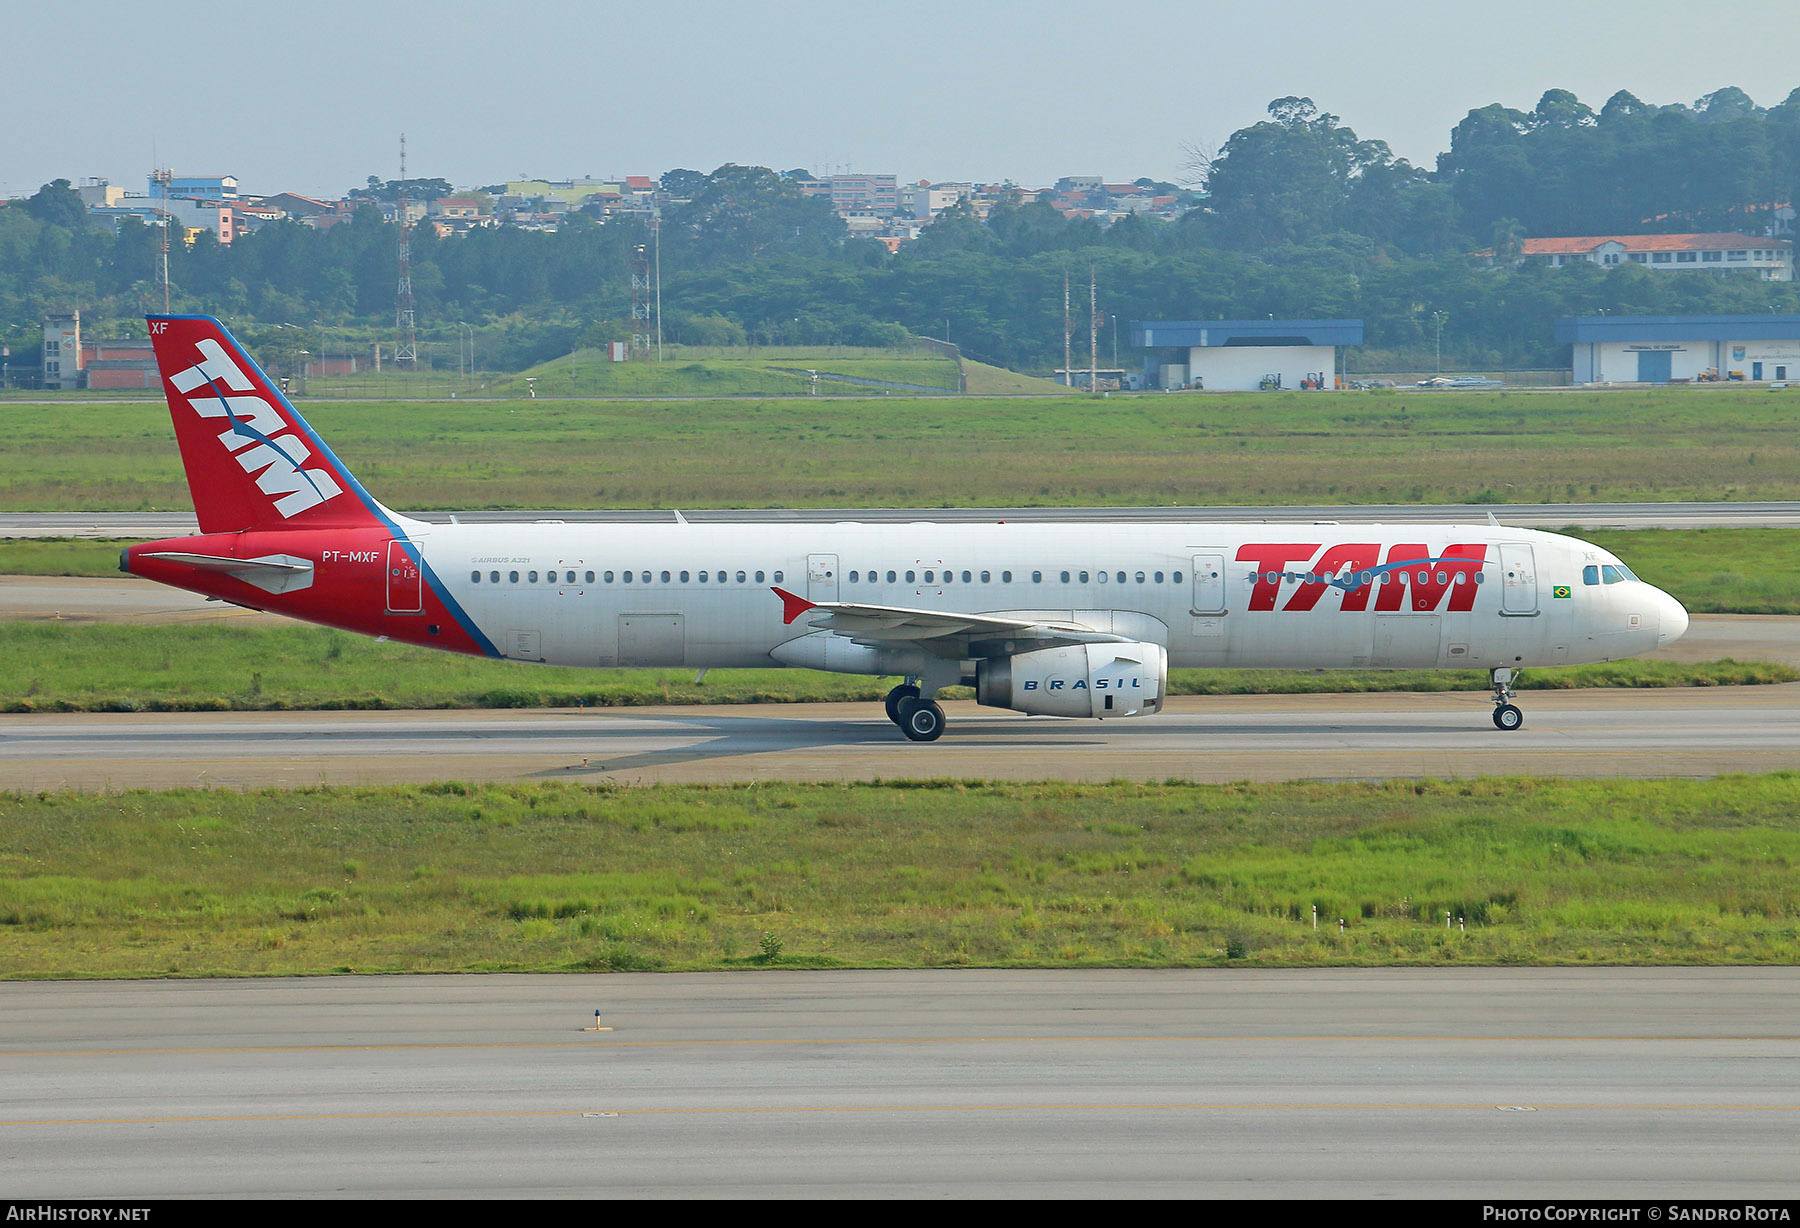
[
  {"x": 1243, "y": 355},
  {"x": 1681, "y": 349}
]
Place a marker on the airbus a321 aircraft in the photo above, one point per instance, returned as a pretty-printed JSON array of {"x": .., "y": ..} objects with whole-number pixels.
[{"x": 1053, "y": 619}]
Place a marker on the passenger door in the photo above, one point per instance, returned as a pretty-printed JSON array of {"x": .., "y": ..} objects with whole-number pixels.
[
  {"x": 405, "y": 580},
  {"x": 1518, "y": 580}
]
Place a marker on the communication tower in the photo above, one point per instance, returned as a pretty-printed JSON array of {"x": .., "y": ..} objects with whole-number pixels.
[
  {"x": 640, "y": 302},
  {"x": 162, "y": 177},
  {"x": 406, "y": 337},
  {"x": 1068, "y": 334}
]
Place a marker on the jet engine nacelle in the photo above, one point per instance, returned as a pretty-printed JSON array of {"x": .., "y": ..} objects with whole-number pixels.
[{"x": 1102, "y": 680}]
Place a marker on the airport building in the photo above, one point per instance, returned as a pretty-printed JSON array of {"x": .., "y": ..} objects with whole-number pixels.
[
  {"x": 1243, "y": 355},
  {"x": 1681, "y": 349}
]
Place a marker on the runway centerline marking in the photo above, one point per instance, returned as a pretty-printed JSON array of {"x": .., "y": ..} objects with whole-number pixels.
[
  {"x": 895, "y": 1040},
  {"x": 747, "y": 1110}
]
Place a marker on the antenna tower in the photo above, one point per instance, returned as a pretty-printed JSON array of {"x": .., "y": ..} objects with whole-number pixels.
[
  {"x": 161, "y": 177},
  {"x": 1068, "y": 332},
  {"x": 640, "y": 302},
  {"x": 1093, "y": 334},
  {"x": 406, "y": 338}
]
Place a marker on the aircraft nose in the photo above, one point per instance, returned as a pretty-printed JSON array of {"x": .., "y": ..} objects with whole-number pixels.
[{"x": 1672, "y": 620}]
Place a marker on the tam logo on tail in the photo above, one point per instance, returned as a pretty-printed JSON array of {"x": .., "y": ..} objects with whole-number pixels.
[
  {"x": 276, "y": 459},
  {"x": 265, "y": 466}
]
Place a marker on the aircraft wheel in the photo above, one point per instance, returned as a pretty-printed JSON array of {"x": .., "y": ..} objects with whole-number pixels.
[
  {"x": 903, "y": 691},
  {"x": 921, "y": 719},
  {"x": 1508, "y": 717}
]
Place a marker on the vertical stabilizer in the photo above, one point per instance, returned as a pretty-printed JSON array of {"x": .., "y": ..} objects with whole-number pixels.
[{"x": 251, "y": 459}]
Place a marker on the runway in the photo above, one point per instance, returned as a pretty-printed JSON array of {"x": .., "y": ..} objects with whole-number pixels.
[
  {"x": 1359, "y": 1083},
  {"x": 1689, "y": 733},
  {"x": 1524, "y": 515}
]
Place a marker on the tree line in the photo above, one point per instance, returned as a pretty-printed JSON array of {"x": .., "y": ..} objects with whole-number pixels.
[{"x": 1301, "y": 217}]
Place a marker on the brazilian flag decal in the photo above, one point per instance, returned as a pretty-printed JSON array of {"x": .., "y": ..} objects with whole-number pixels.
[{"x": 1561, "y": 590}]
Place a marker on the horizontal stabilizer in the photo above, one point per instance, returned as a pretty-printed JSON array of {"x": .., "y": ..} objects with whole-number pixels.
[{"x": 273, "y": 573}]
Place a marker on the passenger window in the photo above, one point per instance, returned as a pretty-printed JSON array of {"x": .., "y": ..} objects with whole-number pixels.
[
  {"x": 890, "y": 577},
  {"x": 608, "y": 577},
  {"x": 1159, "y": 577},
  {"x": 1175, "y": 578},
  {"x": 588, "y": 577},
  {"x": 1065, "y": 577},
  {"x": 852, "y": 576},
  {"x": 1590, "y": 574},
  {"x": 742, "y": 577},
  {"x": 910, "y": 577},
  {"x": 703, "y": 577},
  {"x": 928, "y": 576},
  {"x": 493, "y": 577},
  {"x": 569, "y": 578},
  {"x": 778, "y": 577},
  {"x": 665, "y": 577},
  {"x": 1140, "y": 577},
  {"x": 645, "y": 577},
  {"x": 474, "y": 577},
  {"x": 1120, "y": 577},
  {"x": 625, "y": 576},
  {"x": 532, "y": 576},
  {"x": 1037, "y": 577},
  {"x": 759, "y": 577},
  {"x": 1102, "y": 577},
  {"x": 986, "y": 577},
  {"x": 684, "y": 577},
  {"x": 1462, "y": 577},
  {"x": 1084, "y": 577},
  {"x": 966, "y": 576},
  {"x": 512, "y": 577},
  {"x": 721, "y": 577}
]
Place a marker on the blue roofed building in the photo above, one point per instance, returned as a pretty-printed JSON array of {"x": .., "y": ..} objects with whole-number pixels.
[
  {"x": 1243, "y": 355},
  {"x": 1681, "y": 349}
]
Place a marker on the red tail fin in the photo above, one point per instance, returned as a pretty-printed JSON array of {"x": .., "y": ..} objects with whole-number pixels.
[{"x": 251, "y": 458}]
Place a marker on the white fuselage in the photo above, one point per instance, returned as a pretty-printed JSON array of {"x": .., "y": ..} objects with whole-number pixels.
[{"x": 1221, "y": 595}]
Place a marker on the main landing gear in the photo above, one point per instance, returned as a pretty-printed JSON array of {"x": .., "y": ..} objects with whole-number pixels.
[
  {"x": 1506, "y": 713},
  {"x": 919, "y": 719}
]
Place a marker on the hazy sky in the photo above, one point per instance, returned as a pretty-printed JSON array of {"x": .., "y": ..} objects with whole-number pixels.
[{"x": 312, "y": 98}]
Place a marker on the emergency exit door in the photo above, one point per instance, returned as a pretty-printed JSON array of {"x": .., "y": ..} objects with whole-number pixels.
[
  {"x": 822, "y": 577},
  {"x": 405, "y": 580}
]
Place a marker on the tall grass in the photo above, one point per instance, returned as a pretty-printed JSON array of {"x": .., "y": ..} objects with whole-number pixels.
[
  {"x": 897, "y": 451},
  {"x": 453, "y": 877}
]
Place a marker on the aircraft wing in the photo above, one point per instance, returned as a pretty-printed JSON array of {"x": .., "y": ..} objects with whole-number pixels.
[{"x": 945, "y": 633}]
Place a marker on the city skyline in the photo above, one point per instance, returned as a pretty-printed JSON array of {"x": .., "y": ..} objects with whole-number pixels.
[{"x": 315, "y": 102}]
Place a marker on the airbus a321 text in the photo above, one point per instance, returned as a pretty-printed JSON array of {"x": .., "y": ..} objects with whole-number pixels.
[{"x": 1054, "y": 619}]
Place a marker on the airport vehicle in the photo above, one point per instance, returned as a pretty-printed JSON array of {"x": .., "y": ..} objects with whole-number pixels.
[{"x": 1069, "y": 618}]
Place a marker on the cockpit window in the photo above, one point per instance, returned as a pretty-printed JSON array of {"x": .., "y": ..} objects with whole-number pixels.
[
  {"x": 1612, "y": 575},
  {"x": 1590, "y": 574}
]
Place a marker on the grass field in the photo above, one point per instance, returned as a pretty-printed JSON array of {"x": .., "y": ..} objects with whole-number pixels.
[
  {"x": 736, "y": 371},
  {"x": 457, "y": 878},
  {"x": 1715, "y": 571},
  {"x": 1066, "y": 450},
  {"x": 64, "y": 667}
]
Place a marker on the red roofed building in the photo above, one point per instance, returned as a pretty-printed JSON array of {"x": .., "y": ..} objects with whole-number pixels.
[{"x": 1770, "y": 259}]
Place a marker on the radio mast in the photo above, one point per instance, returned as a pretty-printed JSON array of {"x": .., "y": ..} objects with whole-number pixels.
[
  {"x": 162, "y": 176},
  {"x": 406, "y": 338},
  {"x": 1093, "y": 335},
  {"x": 1068, "y": 332}
]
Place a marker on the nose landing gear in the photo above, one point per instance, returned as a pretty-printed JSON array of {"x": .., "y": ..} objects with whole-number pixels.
[{"x": 1506, "y": 714}]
